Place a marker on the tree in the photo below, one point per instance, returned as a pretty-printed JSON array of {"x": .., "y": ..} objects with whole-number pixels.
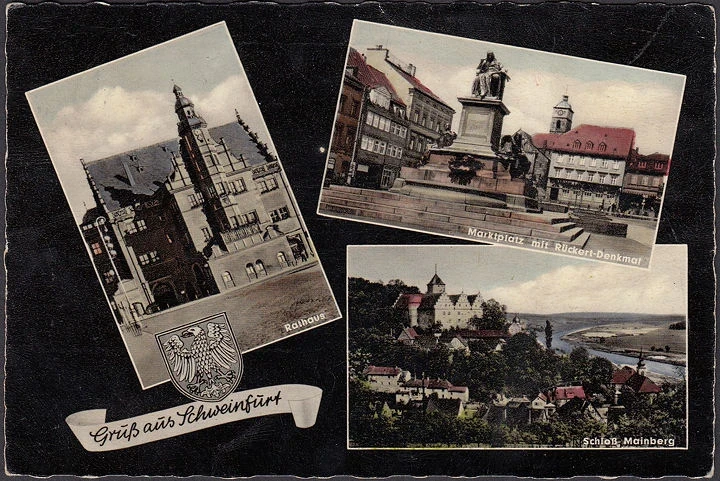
[{"x": 494, "y": 316}]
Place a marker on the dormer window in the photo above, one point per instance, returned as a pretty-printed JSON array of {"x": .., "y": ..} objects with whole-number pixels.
[
  {"x": 602, "y": 147},
  {"x": 577, "y": 144},
  {"x": 588, "y": 145}
]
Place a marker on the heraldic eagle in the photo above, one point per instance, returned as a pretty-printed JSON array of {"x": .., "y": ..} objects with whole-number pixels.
[{"x": 207, "y": 362}]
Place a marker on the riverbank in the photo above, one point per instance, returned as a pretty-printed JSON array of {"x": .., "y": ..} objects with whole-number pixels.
[{"x": 657, "y": 341}]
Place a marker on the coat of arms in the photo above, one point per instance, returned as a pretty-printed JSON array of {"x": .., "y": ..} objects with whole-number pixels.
[{"x": 203, "y": 358}]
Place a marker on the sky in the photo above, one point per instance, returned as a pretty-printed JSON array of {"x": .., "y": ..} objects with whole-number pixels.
[
  {"x": 129, "y": 103},
  {"x": 531, "y": 282},
  {"x": 600, "y": 93}
]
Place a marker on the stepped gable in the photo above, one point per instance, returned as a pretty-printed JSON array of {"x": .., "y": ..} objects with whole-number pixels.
[
  {"x": 618, "y": 141},
  {"x": 149, "y": 166}
]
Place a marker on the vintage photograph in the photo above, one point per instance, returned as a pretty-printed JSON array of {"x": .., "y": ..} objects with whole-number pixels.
[
  {"x": 500, "y": 144},
  {"x": 184, "y": 207},
  {"x": 475, "y": 347}
]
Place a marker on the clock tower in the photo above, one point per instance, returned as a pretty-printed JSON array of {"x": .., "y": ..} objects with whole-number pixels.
[{"x": 561, "y": 117}]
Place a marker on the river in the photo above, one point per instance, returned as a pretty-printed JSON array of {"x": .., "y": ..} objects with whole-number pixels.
[{"x": 669, "y": 370}]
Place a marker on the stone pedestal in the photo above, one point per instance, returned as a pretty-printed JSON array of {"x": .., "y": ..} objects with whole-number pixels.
[
  {"x": 478, "y": 137},
  {"x": 480, "y": 126}
]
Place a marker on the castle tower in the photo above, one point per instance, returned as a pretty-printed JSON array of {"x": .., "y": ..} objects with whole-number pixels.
[
  {"x": 436, "y": 285},
  {"x": 562, "y": 117}
]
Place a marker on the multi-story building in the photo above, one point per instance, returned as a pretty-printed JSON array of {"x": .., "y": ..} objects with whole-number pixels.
[
  {"x": 382, "y": 133},
  {"x": 644, "y": 183},
  {"x": 438, "y": 307},
  {"x": 587, "y": 163},
  {"x": 171, "y": 227},
  {"x": 428, "y": 113},
  {"x": 346, "y": 127}
]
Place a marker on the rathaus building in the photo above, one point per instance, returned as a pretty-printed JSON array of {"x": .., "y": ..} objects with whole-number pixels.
[{"x": 190, "y": 217}]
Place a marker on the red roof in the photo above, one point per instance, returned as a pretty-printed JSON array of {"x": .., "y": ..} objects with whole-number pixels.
[
  {"x": 569, "y": 392},
  {"x": 408, "y": 300},
  {"x": 370, "y": 76},
  {"x": 641, "y": 384},
  {"x": 409, "y": 333},
  {"x": 381, "y": 371},
  {"x": 622, "y": 375},
  {"x": 417, "y": 84},
  {"x": 655, "y": 163},
  {"x": 589, "y": 139}
]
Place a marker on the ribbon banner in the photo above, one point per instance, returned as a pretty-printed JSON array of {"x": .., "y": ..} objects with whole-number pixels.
[{"x": 95, "y": 434}]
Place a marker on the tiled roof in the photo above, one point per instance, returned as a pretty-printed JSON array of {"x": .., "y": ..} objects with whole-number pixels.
[
  {"x": 642, "y": 384},
  {"x": 418, "y": 85},
  {"x": 655, "y": 163},
  {"x": 436, "y": 281},
  {"x": 408, "y": 333},
  {"x": 622, "y": 375},
  {"x": 150, "y": 166},
  {"x": 569, "y": 392},
  {"x": 370, "y": 76},
  {"x": 406, "y": 300},
  {"x": 381, "y": 371},
  {"x": 618, "y": 142}
]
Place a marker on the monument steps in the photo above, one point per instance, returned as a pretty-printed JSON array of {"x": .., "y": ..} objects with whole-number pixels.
[{"x": 446, "y": 217}]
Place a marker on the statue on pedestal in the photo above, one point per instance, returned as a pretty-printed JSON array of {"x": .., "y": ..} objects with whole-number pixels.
[{"x": 490, "y": 78}]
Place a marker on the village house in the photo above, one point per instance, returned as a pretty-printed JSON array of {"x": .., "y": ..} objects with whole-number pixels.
[
  {"x": 385, "y": 379},
  {"x": 417, "y": 389}
]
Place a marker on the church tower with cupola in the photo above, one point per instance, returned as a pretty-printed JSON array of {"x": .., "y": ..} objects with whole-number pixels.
[{"x": 562, "y": 117}]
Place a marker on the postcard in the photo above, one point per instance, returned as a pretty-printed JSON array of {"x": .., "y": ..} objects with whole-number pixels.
[
  {"x": 499, "y": 144},
  {"x": 482, "y": 347},
  {"x": 183, "y": 206}
]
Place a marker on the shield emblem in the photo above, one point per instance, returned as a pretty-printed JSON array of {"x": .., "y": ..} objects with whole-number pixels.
[{"x": 202, "y": 358}]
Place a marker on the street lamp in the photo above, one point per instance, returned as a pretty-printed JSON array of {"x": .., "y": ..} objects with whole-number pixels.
[{"x": 112, "y": 253}]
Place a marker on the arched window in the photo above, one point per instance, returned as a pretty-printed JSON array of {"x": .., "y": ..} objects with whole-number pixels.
[
  {"x": 602, "y": 147},
  {"x": 260, "y": 268},
  {"x": 250, "y": 271},
  {"x": 588, "y": 145},
  {"x": 282, "y": 260},
  {"x": 228, "y": 280},
  {"x": 557, "y": 124},
  {"x": 577, "y": 144}
]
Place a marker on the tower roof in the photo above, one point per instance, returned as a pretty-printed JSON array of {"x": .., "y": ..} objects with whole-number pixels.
[
  {"x": 436, "y": 281},
  {"x": 563, "y": 104},
  {"x": 181, "y": 101}
]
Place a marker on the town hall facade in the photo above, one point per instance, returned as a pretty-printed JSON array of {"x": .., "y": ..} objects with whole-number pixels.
[{"x": 176, "y": 222}]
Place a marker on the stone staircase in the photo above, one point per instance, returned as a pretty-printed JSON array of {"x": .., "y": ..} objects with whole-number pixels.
[{"x": 456, "y": 219}]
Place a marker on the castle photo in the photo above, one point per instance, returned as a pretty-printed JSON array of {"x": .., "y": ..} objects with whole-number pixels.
[{"x": 523, "y": 365}]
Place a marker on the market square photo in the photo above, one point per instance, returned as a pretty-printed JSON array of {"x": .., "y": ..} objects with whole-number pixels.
[
  {"x": 477, "y": 347},
  {"x": 500, "y": 144},
  {"x": 184, "y": 207}
]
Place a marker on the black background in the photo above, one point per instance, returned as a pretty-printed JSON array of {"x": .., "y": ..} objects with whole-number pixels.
[{"x": 64, "y": 353}]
